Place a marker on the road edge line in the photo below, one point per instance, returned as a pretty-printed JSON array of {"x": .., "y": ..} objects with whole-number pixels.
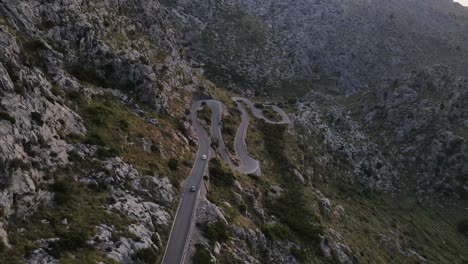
[{"x": 180, "y": 202}]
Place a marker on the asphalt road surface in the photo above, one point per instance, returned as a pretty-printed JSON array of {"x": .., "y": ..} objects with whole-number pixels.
[
  {"x": 183, "y": 219},
  {"x": 179, "y": 235}
]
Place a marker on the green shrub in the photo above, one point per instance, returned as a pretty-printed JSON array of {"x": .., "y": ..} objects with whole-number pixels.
[
  {"x": 181, "y": 128},
  {"x": 274, "y": 145},
  {"x": 145, "y": 255},
  {"x": 105, "y": 153},
  {"x": 98, "y": 115},
  {"x": 154, "y": 148},
  {"x": 98, "y": 186},
  {"x": 205, "y": 114},
  {"x": 34, "y": 45},
  {"x": 19, "y": 89},
  {"x": 37, "y": 117},
  {"x": 259, "y": 106},
  {"x": 74, "y": 96},
  {"x": 74, "y": 138},
  {"x": 64, "y": 190},
  {"x": 242, "y": 208},
  {"x": 12, "y": 71},
  {"x": 229, "y": 130},
  {"x": 7, "y": 117},
  {"x": 87, "y": 74},
  {"x": 71, "y": 240},
  {"x": 173, "y": 164},
  {"x": 202, "y": 255},
  {"x": 276, "y": 232},
  {"x": 74, "y": 156},
  {"x": 299, "y": 254},
  {"x": 18, "y": 164},
  {"x": 217, "y": 232},
  {"x": 2, "y": 246},
  {"x": 94, "y": 139},
  {"x": 463, "y": 227},
  {"x": 292, "y": 209},
  {"x": 219, "y": 176},
  {"x": 292, "y": 101},
  {"x": 124, "y": 125},
  {"x": 31, "y": 53},
  {"x": 57, "y": 91}
]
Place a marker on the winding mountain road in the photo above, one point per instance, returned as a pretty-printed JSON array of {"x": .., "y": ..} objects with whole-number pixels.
[{"x": 184, "y": 218}]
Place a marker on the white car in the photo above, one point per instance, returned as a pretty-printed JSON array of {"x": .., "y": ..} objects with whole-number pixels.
[
  {"x": 192, "y": 189},
  {"x": 203, "y": 157}
]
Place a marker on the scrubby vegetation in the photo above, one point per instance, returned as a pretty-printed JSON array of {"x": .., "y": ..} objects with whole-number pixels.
[
  {"x": 373, "y": 216},
  {"x": 463, "y": 227},
  {"x": 220, "y": 175},
  {"x": 68, "y": 222},
  {"x": 202, "y": 255},
  {"x": 7, "y": 117},
  {"x": 276, "y": 231},
  {"x": 273, "y": 138},
  {"x": 217, "y": 232},
  {"x": 173, "y": 164},
  {"x": 205, "y": 114},
  {"x": 293, "y": 210},
  {"x": 37, "y": 117},
  {"x": 18, "y": 164},
  {"x": 120, "y": 132},
  {"x": 297, "y": 221},
  {"x": 272, "y": 115},
  {"x": 229, "y": 127},
  {"x": 102, "y": 76},
  {"x": 222, "y": 179},
  {"x": 72, "y": 218},
  {"x": 145, "y": 256},
  {"x": 299, "y": 254}
]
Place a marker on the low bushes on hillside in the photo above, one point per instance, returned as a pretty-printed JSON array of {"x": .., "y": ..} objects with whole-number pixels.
[
  {"x": 7, "y": 117},
  {"x": 145, "y": 255},
  {"x": 463, "y": 227},
  {"x": 216, "y": 232},
  {"x": 220, "y": 176},
  {"x": 173, "y": 164},
  {"x": 202, "y": 255},
  {"x": 292, "y": 209}
]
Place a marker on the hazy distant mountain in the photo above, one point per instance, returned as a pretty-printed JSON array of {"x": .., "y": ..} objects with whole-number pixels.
[{"x": 304, "y": 44}]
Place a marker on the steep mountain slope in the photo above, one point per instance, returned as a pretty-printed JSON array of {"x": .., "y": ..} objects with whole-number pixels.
[
  {"x": 367, "y": 49},
  {"x": 341, "y": 46},
  {"x": 418, "y": 122},
  {"x": 95, "y": 141},
  {"x": 421, "y": 120},
  {"x": 89, "y": 96}
]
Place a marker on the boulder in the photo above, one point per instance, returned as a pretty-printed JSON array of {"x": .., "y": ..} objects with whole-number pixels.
[
  {"x": 338, "y": 213},
  {"x": 217, "y": 249},
  {"x": 325, "y": 206},
  {"x": 275, "y": 192},
  {"x": 239, "y": 232},
  {"x": 299, "y": 176}
]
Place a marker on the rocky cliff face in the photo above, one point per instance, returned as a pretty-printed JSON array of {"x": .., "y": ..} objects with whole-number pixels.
[
  {"x": 107, "y": 44},
  {"x": 421, "y": 118},
  {"x": 411, "y": 132},
  {"x": 66, "y": 68}
]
